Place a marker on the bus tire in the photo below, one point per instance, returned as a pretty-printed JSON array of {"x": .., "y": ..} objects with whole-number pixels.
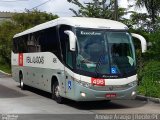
[
  {"x": 22, "y": 85},
  {"x": 56, "y": 93}
]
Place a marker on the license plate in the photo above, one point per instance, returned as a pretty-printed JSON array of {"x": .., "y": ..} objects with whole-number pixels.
[{"x": 111, "y": 95}]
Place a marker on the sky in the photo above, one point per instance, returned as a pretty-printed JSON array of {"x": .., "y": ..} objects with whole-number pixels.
[{"x": 59, "y": 7}]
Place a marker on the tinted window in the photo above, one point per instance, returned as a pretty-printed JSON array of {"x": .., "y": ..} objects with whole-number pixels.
[
  {"x": 49, "y": 42},
  {"x": 64, "y": 39},
  {"x": 41, "y": 41},
  {"x": 20, "y": 44},
  {"x": 33, "y": 43},
  {"x": 15, "y": 45}
]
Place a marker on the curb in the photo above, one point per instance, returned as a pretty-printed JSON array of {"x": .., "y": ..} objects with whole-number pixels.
[
  {"x": 5, "y": 73},
  {"x": 144, "y": 98}
]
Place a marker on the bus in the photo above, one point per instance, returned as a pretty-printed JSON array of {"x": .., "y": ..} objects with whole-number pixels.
[{"x": 78, "y": 58}]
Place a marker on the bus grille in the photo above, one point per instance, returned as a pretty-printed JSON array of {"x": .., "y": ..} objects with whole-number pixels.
[{"x": 110, "y": 87}]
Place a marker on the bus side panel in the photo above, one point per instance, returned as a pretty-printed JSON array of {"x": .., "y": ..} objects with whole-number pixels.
[
  {"x": 38, "y": 70},
  {"x": 41, "y": 77}
]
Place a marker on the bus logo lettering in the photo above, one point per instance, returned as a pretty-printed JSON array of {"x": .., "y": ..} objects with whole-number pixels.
[{"x": 37, "y": 59}]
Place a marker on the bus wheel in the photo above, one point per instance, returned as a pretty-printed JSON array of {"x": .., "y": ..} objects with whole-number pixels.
[
  {"x": 22, "y": 86},
  {"x": 56, "y": 93}
]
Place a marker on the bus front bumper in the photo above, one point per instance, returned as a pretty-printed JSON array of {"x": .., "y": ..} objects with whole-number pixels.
[{"x": 86, "y": 94}]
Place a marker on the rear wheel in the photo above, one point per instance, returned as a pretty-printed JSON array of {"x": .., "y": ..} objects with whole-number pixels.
[
  {"x": 56, "y": 93},
  {"x": 22, "y": 85}
]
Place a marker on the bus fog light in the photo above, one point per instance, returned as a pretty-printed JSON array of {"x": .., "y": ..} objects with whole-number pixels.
[
  {"x": 83, "y": 94},
  {"x": 133, "y": 94}
]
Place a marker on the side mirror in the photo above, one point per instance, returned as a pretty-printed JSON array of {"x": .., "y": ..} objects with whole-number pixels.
[
  {"x": 142, "y": 40},
  {"x": 72, "y": 39}
]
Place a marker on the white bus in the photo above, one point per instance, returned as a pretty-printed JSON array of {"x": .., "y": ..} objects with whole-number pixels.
[{"x": 83, "y": 59}]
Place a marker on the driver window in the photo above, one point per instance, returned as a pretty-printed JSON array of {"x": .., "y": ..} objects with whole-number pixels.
[{"x": 64, "y": 39}]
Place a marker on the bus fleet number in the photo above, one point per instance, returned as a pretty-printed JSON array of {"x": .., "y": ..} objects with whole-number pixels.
[{"x": 98, "y": 81}]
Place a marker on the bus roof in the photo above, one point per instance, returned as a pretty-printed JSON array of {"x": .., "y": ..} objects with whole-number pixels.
[{"x": 83, "y": 22}]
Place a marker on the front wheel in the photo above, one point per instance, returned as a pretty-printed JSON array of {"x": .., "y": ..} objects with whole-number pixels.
[{"x": 56, "y": 93}]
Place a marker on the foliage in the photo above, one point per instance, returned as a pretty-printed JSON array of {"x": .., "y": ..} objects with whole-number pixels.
[
  {"x": 155, "y": 48},
  {"x": 152, "y": 6},
  {"x": 148, "y": 64},
  {"x": 140, "y": 21},
  {"x": 5, "y": 67},
  {"x": 7, "y": 30},
  {"x": 32, "y": 18},
  {"x": 97, "y": 9},
  {"x": 150, "y": 82},
  {"x": 18, "y": 23}
]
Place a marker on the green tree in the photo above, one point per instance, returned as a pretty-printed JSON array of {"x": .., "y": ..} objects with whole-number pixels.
[
  {"x": 141, "y": 21},
  {"x": 152, "y": 6},
  {"x": 154, "y": 51},
  {"x": 98, "y": 9},
  {"x": 7, "y": 30},
  {"x": 29, "y": 19}
]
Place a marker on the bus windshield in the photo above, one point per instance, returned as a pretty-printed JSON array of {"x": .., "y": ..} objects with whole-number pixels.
[{"x": 105, "y": 52}]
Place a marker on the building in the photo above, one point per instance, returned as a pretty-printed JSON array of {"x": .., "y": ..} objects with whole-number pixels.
[{"x": 5, "y": 16}]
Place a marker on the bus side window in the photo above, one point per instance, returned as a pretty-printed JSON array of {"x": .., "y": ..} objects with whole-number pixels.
[
  {"x": 48, "y": 41},
  {"x": 33, "y": 43},
  {"x": 22, "y": 44},
  {"x": 15, "y": 45}
]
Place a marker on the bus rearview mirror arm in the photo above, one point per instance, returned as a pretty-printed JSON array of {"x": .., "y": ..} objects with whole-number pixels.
[
  {"x": 142, "y": 40},
  {"x": 72, "y": 39}
]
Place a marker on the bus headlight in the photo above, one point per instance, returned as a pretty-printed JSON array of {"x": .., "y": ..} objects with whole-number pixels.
[
  {"x": 134, "y": 83},
  {"x": 82, "y": 83}
]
